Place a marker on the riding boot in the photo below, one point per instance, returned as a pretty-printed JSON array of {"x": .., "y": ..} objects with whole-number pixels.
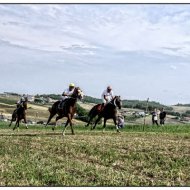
[{"x": 60, "y": 106}]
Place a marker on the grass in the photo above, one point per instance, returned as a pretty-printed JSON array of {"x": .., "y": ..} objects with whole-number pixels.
[
  {"x": 155, "y": 156},
  {"x": 7, "y": 101}
]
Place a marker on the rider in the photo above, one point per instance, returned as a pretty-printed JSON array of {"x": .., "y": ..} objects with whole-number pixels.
[
  {"x": 107, "y": 96},
  {"x": 22, "y": 99},
  {"x": 66, "y": 94}
]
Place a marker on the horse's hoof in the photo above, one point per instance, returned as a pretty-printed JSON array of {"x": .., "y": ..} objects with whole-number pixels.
[
  {"x": 118, "y": 131},
  {"x": 63, "y": 134},
  {"x": 53, "y": 129},
  {"x": 26, "y": 127}
]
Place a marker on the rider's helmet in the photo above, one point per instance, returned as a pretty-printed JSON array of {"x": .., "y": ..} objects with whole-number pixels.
[{"x": 71, "y": 86}]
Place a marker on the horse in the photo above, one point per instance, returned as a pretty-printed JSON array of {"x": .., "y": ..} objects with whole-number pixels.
[
  {"x": 69, "y": 109},
  {"x": 19, "y": 114},
  {"x": 108, "y": 112}
]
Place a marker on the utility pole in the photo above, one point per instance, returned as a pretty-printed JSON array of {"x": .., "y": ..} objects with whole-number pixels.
[{"x": 145, "y": 112}]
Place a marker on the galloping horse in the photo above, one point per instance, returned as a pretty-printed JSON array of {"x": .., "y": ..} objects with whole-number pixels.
[
  {"x": 19, "y": 114},
  {"x": 108, "y": 112},
  {"x": 68, "y": 110}
]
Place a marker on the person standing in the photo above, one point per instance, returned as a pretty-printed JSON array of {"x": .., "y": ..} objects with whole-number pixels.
[
  {"x": 121, "y": 121},
  {"x": 162, "y": 116},
  {"x": 155, "y": 117}
]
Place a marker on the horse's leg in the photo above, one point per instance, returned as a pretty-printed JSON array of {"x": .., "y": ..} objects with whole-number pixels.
[
  {"x": 11, "y": 122},
  {"x": 25, "y": 121},
  {"x": 16, "y": 124},
  {"x": 69, "y": 120},
  {"x": 57, "y": 118},
  {"x": 114, "y": 119},
  {"x": 105, "y": 119},
  {"x": 71, "y": 124},
  {"x": 49, "y": 119},
  {"x": 91, "y": 118},
  {"x": 89, "y": 121},
  {"x": 13, "y": 118},
  {"x": 99, "y": 117}
]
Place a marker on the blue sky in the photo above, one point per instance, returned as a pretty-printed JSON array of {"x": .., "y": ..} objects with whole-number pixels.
[{"x": 140, "y": 50}]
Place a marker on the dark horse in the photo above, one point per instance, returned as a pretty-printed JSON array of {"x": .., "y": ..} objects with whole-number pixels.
[
  {"x": 19, "y": 114},
  {"x": 108, "y": 112},
  {"x": 69, "y": 109}
]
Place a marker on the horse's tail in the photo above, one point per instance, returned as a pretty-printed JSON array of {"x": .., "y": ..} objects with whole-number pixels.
[
  {"x": 54, "y": 107},
  {"x": 14, "y": 115},
  {"x": 50, "y": 109},
  {"x": 94, "y": 110}
]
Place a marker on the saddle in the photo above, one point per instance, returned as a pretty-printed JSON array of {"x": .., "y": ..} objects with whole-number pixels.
[{"x": 61, "y": 104}]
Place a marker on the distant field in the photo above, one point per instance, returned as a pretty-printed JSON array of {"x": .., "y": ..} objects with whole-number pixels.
[
  {"x": 138, "y": 156},
  {"x": 181, "y": 109}
]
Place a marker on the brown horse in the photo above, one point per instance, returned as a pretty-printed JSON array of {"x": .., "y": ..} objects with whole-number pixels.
[
  {"x": 68, "y": 110},
  {"x": 19, "y": 114},
  {"x": 108, "y": 112}
]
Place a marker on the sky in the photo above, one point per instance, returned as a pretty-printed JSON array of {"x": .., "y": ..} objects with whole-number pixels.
[{"x": 141, "y": 50}]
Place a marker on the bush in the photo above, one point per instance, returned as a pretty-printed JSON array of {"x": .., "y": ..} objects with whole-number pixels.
[
  {"x": 143, "y": 104},
  {"x": 82, "y": 113}
]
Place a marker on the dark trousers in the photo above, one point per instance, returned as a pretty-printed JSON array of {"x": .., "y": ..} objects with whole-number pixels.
[
  {"x": 155, "y": 121},
  {"x": 162, "y": 121}
]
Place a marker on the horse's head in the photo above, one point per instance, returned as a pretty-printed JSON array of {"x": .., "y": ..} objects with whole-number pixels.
[
  {"x": 117, "y": 101},
  {"x": 78, "y": 93},
  {"x": 25, "y": 104}
]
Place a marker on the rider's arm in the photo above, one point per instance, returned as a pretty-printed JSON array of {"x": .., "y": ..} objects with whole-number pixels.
[
  {"x": 105, "y": 98},
  {"x": 112, "y": 96},
  {"x": 64, "y": 94}
]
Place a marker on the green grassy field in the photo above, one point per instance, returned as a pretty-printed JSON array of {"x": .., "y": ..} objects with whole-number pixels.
[{"x": 138, "y": 156}]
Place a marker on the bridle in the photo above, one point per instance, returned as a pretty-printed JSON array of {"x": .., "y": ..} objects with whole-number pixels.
[{"x": 113, "y": 103}]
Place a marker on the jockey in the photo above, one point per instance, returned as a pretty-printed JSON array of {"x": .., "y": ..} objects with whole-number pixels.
[
  {"x": 66, "y": 94},
  {"x": 107, "y": 95},
  {"x": 22, "y": 99}
]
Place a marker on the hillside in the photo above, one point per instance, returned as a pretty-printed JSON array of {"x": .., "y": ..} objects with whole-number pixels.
[{"x": 39, "y": 112}]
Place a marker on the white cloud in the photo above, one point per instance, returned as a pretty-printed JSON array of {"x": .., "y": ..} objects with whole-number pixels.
[
  {"x": 123, "y": 28},
  {"x": 173, "y": 67},
  {"x": 119, "y": 44}
]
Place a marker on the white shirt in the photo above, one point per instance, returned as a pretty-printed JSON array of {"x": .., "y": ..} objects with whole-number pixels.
[
  {"x": 120, "y": 121},
  {"x": 108, "y": 95},
  {"x": 68, "y": 93}
]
